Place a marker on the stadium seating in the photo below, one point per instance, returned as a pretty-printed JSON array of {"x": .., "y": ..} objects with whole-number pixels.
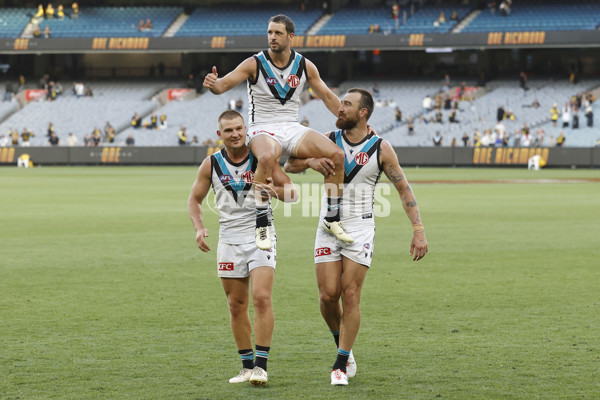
[
  {"x": 13, "y": 21},
  {"x": 113, "y": 22},
  {"x": 563, "y": 16},
  {"x": 115, "y": 102},
  {"x": 239, "y": 21},
  {"x": 356, "y": 21},
  {"x": 481, "y": 113}
]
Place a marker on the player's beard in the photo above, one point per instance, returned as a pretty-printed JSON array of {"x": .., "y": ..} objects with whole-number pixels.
[{"x": 346, "y": 122}]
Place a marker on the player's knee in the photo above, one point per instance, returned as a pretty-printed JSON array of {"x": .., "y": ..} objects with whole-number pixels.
[
  {"x": 329, "y": 298},
  {"x": 237, "y": 306},
  {"x": 350, "y": 298},
  {"x": 337, "y": 156},
  {"x": 261, "y": 301},
  {"x": 266, "y": 157}
]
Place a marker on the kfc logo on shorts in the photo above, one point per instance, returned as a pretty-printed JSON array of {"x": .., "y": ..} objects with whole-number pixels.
[
  {"x": 272, "y": 81},
  {"x": 361, "y": 158},
  {"x": 323, "y": 251},
  {"x": 225, "y": 178},
  {"x": 225, "y": 266},
  {"x": 248, "y": 176},
  {"x": 293, "y": 81}
]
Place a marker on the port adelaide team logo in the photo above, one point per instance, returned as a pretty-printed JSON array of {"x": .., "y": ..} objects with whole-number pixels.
[{"x": 293, "y": 81}]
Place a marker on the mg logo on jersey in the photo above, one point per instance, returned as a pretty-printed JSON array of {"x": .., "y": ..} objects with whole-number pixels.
[
  {"x": 225, "y": 178},
  {"x": 361, "y": 158},
  {"x": 225, "y": 266},
  {"x": 272, "y": 81},
  {"x": 248, "y": 176},
  {"x": 293, "y": 81},
  {"x": 323, "y": 251}
]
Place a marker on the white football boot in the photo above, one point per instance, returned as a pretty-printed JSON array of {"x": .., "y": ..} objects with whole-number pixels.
[
  {"x": 339, "y": 377},
  {"x": 263, "y": 241},
  {"x": 258, "y": 377},
  {"x": 336, "y": 228},
  {"x": 243, "y": 376},
  {"x": 351, "y": 366}
]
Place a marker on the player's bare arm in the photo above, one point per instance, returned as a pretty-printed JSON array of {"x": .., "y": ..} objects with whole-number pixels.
[
  {"x": 331, "y": 101},
  {"x": 323, "y": 166},
  {"x": 199, "y": 191},
  {"x": 393, "y": 171},
  {"x": 281, "y": 186},
  {"x": 245, "y": 70}
]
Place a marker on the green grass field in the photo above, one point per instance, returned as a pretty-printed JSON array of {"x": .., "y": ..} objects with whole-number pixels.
[{"x": 104, "y": 295}]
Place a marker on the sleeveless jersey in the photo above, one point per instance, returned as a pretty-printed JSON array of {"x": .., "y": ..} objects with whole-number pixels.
[
  {"x": 234, "y": 198},
  {"x": 275, "y": 95},
  {"x": 362, "y": 170}
]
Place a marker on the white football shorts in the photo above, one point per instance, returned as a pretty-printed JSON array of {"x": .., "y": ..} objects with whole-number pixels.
[
  {"x": 328, "y": 248},
  {"x": 288, "y": 134},
  {"x": 237, "y": 260}
]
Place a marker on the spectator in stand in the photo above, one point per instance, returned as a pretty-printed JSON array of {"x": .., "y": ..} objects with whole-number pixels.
[
  {"x": 162, "y": 122},
  {"x": 438, "y": 116},
  {"x": 111, "y": 136},
  {"x": 130, "y": 141},
  {"x": 182, "y": 136},
  {"x": 232, "y": 103},
  {"x": 437, "y": 139},
  {"x": 148, "y": 25},
  {"x": 51, "y": 93},
  {"x": 37, "y": 32},
  {"x": 560, "y": 140},
  {"x": 21, "y": 83},
  {"x": 49, "y": 11},
  {"x": 441, "y": 19},
  {"x": 50, "y": 129},
  {"x": 79, "y": 89},
  {"x": 15, "y": 137},
  {"x": 4, "y": 141},
  {"x": 141, "y": 26},
  {"x": 71, "y": 140},
  {"x": 452, "y": 117},
  {"x": 60, "y": 13},
  {"x": 427, "y": 102},
  {"x": 153, "y": 121},
  {"x": 96, "y": 137},
  {"x": 108, "y": 128},
  {"x": 25, "y": 136},
  {"x": 523, "y": 81},
  {"x": 239, "y": 104},
  {"x": 540, "y": 134},
  {"x": 589, "y": 114},
  {"x": 195, "y": 141},
  {"x": 411, "y": 126},
  {"x": 465, "y": 140},
  {"x": 44, "y": 81},
  {"x": 136, "y": 121},
  {"x": 525, "y": 130},
  {"x": 554, "y": 114},
  {"x": 505, "y": 8},
  {"x": 575, "y": 123},
  {"x": 75, "y": 10},
  {"x": 454, "y": 16},
  {"x": 89, "y": 92},
  {"x": 39, "y": 14},
  {"x": 53, "y": 140},
  {"x": 566, "y": 115},
  {"x": 87, "y": 141},
  {"x": 397, "y": 116},
  {"x": 396, "y": 14}
]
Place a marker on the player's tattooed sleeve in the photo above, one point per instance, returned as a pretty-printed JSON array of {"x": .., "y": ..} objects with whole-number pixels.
[{"x": 394, "y": 174}]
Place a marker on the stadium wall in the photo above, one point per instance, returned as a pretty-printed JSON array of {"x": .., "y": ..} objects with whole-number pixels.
[
  {"x": 409, "y": 156},
  {"x": 204, "y": 44}
]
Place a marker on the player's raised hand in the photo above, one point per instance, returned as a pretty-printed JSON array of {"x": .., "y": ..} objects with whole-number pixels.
[
  {"x": 200, "y": 235},
  {"x": 211, "y": 79}
]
